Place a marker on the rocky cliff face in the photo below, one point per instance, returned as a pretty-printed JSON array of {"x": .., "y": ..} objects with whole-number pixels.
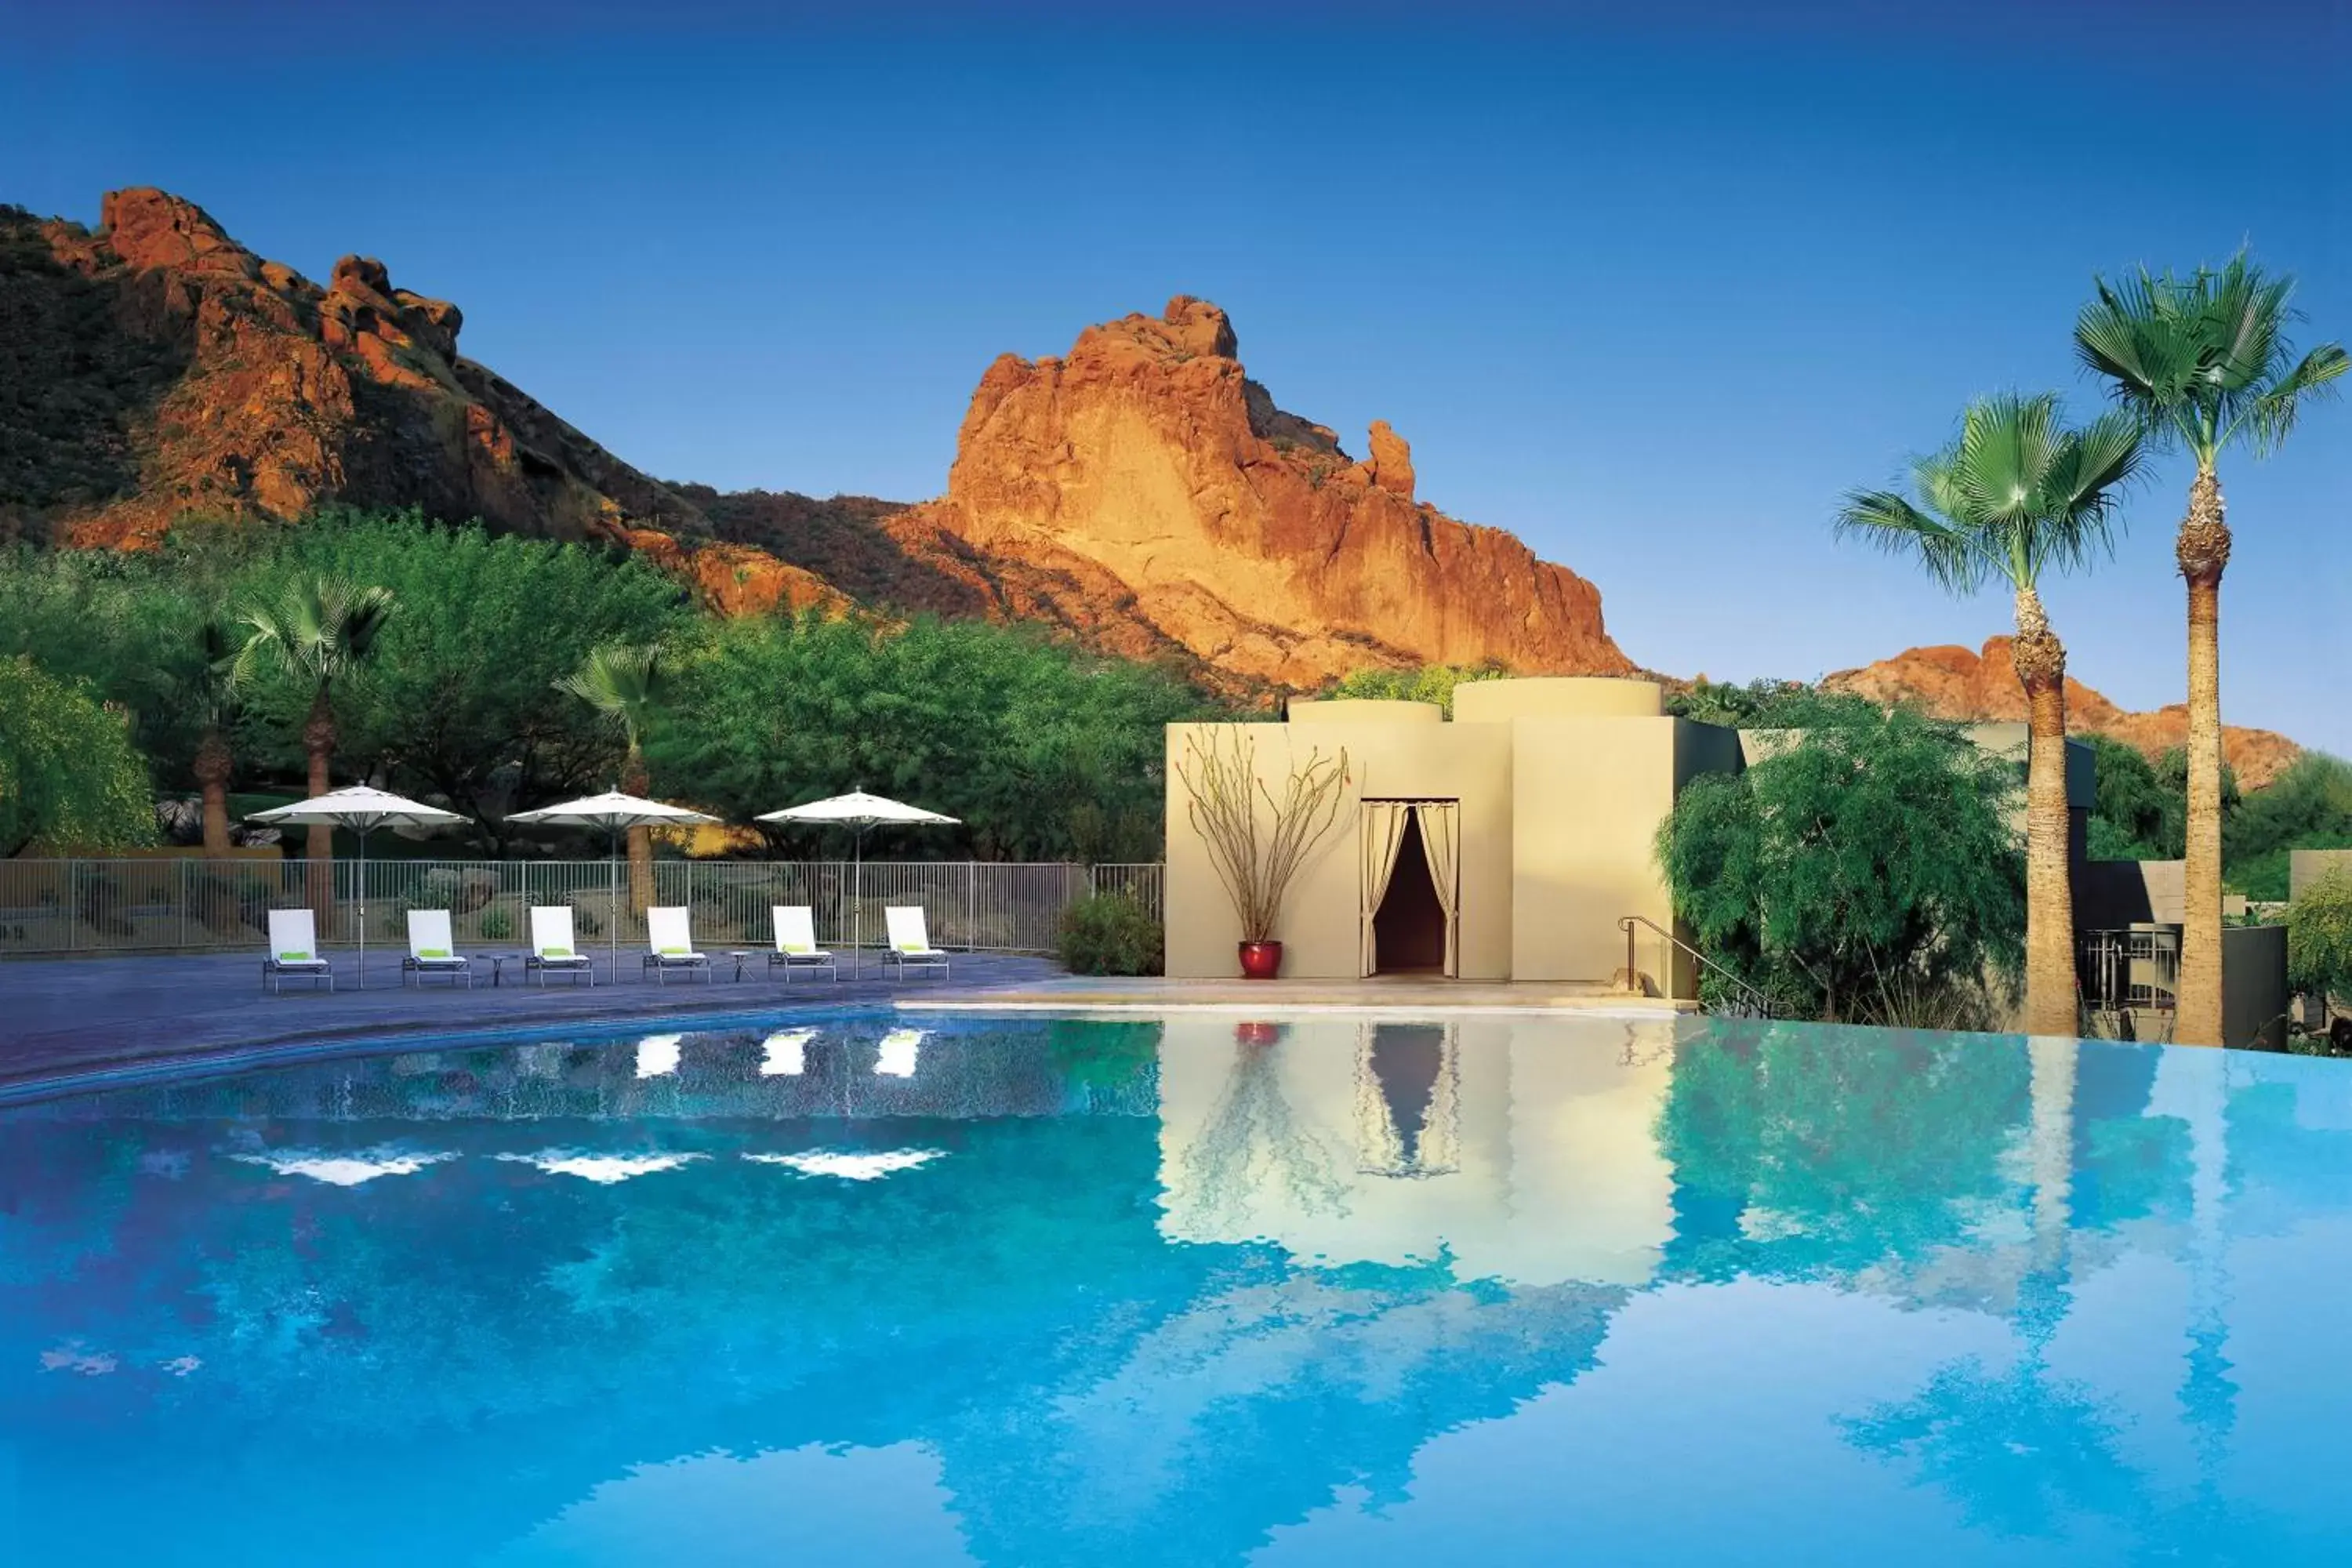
[
  {"x": 1141, "y": 492},
  {"x": 1145, "y": 492},
  {"x": 1959, "y": 683},
  {"x": 156, "y": 368}
]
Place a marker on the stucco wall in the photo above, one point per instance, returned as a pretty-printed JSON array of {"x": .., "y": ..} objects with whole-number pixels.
[
  {"x": 1321, "y": 920},
  {"x": 1590, "y": 794}
]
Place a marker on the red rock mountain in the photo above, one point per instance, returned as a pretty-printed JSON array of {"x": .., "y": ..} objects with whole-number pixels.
[
  {"x": 1957, "y": 683},
  {"x": 1144, "y": 490},
  {"x": 1141, "y": 492},
  {"x": 157, "y": 368}
]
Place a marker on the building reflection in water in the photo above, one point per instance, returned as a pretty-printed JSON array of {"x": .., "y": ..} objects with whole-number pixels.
[{"x": 1529, "y": 1163}]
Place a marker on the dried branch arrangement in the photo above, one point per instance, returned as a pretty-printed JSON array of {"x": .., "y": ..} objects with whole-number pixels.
[{"x": 1229, "y": 805}]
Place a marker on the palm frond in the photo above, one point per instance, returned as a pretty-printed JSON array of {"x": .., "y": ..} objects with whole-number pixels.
[
  {"x": 2272, "y": 415},
  {"x": 623, "y": 681},
  {"x": 315, "y": 629},
  {"x": 1892, "y": 524},
  {"x": 2016, "y": 493}
]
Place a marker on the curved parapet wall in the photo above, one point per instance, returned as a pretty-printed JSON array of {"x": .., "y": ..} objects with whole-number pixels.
[
  {"x": 1364, "y": 710},
  {"x": 1556, "y": 697}
]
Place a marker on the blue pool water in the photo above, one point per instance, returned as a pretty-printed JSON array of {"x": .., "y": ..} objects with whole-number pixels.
[{"x": 1187, "y": 1292}]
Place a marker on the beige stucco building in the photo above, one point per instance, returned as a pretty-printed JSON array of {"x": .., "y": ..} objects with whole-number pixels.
[{"x": 1540, "y": 800}]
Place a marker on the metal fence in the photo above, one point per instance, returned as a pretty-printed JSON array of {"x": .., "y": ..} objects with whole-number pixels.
[
  {"x": 167, "y": 904},
  {"x": 2130, "y": 968}
]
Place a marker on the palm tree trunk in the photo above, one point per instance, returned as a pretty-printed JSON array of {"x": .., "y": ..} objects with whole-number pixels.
[
  {"x": 2051, "y": 1007},
  {"x": 214, "y": 765},
  {"x": 2203, "y": 551},
  {"x": 635, "y": 781},
  {"x": 318, "y": 853}
]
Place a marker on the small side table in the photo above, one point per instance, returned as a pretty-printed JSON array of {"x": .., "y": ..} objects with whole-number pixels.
[
  {"x": 498, "y": 962},
  {"x": 739, "y": 955}
]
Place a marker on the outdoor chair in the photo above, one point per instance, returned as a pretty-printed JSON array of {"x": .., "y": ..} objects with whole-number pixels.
[
  {"x": 910, "y": 943},
  {"x": 551, "y": 951},
  {"x": 294, "y": 951},
  {"x": 672, "y": 945},
  {"x": 431, "y": 950},
  {"x": 796, "y": 945}
]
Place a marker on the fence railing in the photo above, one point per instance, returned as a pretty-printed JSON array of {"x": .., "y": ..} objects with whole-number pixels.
[
  {"x": 2130, "y": 968},
  {"x": 186, "y": 904}
]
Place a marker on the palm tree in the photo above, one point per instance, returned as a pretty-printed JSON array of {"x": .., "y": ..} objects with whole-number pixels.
[
  {"x": 626, "y": 683},
  {"x": 207, "y": 686},
  {"x": 317, "y": 631},
  {"x": 2016, "y": 495},
  {"x": 2203, "y": 361}
]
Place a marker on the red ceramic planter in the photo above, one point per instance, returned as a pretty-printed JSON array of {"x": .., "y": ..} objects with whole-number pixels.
[{"x": 1261, "y": 959}]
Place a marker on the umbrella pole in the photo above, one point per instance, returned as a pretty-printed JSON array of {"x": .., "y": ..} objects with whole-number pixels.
[
  {"x": 363, "y": 966},
  {"x": 858, "y": 902},
  {"x": 612, "y": 901}
]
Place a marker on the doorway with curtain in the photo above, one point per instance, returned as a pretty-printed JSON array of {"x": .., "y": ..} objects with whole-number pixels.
[{"x": 1412, "y": 852}]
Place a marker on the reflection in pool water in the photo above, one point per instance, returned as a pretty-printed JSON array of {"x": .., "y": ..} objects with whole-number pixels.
[{"x": 1044, "y": 1291}]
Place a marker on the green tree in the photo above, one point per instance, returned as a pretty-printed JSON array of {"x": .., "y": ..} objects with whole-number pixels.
[
  {"x": 1768, "y": 704},
  {"x": 2203, "y": 361},
  {"x": 1012, "y": 733},
  {"x": 1423, "y": 683},
  {"x": 1866, "y": 873},
  {"x": 69, "y": 777},
  {"x": 124, "y": 623},
  {"x": 2319, "y": 939},
  {"x": 460, "y": 699},
  {"x": 2308, "y": 806},
  {"x": 2136, "y": 815},
  {"x": 2017, "y": 494},
  {"x": 314, "y": 632},
  {"x": 626, "y": 684}
]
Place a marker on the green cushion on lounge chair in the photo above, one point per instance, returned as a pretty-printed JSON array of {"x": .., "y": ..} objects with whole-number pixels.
[
  {"x": 294, "y": 958},
  {"x": 796, "y": 950},
  {"x": 675, "y": 952},
  {"x": 555, "y": 952},
  {"x": 912, "y": 947},
  {"x": 432, "y": 953}
]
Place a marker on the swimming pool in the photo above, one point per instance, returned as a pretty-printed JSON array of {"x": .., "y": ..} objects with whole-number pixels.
[{"x": 872, "y": 1289}]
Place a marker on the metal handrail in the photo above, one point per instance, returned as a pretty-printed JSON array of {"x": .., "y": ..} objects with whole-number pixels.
[{"x": 1762, "y": 1004}]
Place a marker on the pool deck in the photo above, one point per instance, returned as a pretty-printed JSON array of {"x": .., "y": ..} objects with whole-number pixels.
[
  {"x": 61, "y": 1019},
  {"x": 1384, "y": 993},
  {"x": 66, "y": 1016}
]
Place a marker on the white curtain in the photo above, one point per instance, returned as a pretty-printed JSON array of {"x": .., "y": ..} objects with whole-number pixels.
[
  {"x": 1379, "y": 1146},
  {"x": 1384, "y": 823},
  {"x": 1441, "y": 844}
]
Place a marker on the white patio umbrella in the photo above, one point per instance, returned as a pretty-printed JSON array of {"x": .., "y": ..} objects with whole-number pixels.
[
  {"x": 616, "y": 814},
  {"x": 362, "y": 810},
  {"x": 864, "y": 813}
]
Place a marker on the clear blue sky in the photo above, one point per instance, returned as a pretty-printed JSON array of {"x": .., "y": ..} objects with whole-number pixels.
[{"x": 1650, "y": 288}]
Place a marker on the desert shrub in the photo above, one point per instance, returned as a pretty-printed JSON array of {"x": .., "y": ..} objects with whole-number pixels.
[
  {"x": 69, "y": 777},
  {"x": 1111, "y": 933},
  {"x": 1867, "y": 874},
  {"x": 2319, "y": 938},
  {"x": 497, "y": 925}
]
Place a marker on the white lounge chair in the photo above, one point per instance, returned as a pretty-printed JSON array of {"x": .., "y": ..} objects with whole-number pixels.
[
  {"x": 551, "y": 951},
  {"x": 796, "y": 945},
  {"x": 431, "y": 950},
  {"x": 672, "y": 944},
  {"x": 294, "y": 951},
  {"x": 910, "y": 943}
]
